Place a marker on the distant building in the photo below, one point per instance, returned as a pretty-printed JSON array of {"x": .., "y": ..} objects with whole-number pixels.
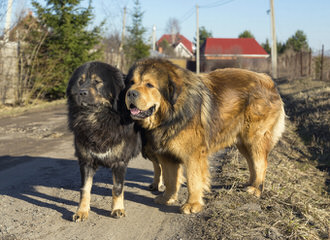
[
  {"x": 232, "y": 48},
  {"x": 12, "y": 79},
  {"x": 22, "y": 27},
  {"x": 180, "y": 46}
]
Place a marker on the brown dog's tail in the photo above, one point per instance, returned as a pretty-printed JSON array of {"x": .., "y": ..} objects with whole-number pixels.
[{"x": 279, "y": 126}]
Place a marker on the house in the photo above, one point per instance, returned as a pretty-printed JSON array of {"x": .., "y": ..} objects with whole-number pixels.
[
  {"x": 12, "y": 77},
  {"x": 179, "y": 45},
  {"x": 23, "y": 27},
  {"x": 232, "y": 48}
]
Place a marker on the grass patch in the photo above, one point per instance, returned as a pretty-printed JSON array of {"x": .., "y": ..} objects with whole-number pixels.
[
  {"x": 296, "y": 202},
  {"x": 10, "y": 111}
]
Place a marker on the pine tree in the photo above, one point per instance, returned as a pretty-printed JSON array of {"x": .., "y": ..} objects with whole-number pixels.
[
  {"x": 266, "y": 46},
  {"x": 281, "y": 47},
  {"x": 135, "y": 47},
  {"x": 203, "y": 35},
  {"x": 246, "y": 34},
  {"x": 298, "y": 42},
  {"x": 67, "y": 45}
]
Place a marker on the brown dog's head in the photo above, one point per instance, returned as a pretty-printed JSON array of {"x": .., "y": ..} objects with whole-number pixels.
[{"x": 153, "y": 89}]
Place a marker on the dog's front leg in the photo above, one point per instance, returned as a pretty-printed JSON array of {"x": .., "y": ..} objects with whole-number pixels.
[
  {"x": 197, "y": 181},
  {"x": 172, "y": 172},
  {"x": 87, "y": 174}
]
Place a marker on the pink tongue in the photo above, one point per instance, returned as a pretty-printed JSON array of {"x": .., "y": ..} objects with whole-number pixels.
[{"x": 135, "y": 111}]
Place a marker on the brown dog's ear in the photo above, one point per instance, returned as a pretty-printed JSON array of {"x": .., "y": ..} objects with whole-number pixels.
[{"x": 174, "y": 90}]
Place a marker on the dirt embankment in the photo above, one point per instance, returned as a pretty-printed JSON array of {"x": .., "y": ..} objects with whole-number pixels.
[{"x": 296, "y": 203}]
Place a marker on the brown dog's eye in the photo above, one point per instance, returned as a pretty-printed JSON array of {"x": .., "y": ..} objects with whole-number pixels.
[{"x": 149, "y": 85}]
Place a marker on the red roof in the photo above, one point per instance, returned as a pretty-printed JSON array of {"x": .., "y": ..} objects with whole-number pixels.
[
  {"x": 223, "y": 46},
  {"x": 181, "y": 38}
]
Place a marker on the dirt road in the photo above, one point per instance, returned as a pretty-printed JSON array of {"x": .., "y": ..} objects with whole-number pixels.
[{"x": 40, "y": 181}]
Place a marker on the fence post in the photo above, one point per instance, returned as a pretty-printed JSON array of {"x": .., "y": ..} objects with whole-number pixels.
[
  {"x": 322, "y": 60},
  {"x": 301, "y": 64},
  {"x": 310, "y": 62}
]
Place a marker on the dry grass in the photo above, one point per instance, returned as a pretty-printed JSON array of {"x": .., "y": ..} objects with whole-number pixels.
[
  {"x": 10, "y": 111},
  {"x": 295, "y": 203},
  {"x": 308, "y": 106}
]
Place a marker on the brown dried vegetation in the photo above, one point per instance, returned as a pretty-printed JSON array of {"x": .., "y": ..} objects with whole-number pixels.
[{"x": 295, "y": 203}]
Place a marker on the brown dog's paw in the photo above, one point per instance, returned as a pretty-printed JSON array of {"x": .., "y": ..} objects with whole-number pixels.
[
  {"x": 161, "y": 199},
  {"x": 188, "y": 208},
  {"x": 118, "y": 213},
  {"x": 80, "y": 216},
  {"x": 161, "y": 188},
  {"x": 254, "y": 191}
]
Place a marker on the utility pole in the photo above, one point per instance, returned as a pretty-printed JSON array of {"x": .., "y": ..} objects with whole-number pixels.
[
  {"x": 121, "y": 55},
  {"x": 8, "y": 20},
  {"x": 197, "y": 41},
  {"x": 154, "y": 38},
  {"x": 274, "y": 42},
  {"x": 172, "y": 35}
]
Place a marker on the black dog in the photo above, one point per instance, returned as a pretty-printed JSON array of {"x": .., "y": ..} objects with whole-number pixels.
[{"x": 103, "y": 132}]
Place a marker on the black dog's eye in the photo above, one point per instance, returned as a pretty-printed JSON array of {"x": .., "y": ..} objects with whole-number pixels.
[
  {"x": 98, "y": 81},
  {"x": 81, "y": 82},
  {"x": 149, "y": 85}
]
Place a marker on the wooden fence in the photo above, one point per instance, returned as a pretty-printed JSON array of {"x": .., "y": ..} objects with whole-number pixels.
[{"x": 291, "y": 65}]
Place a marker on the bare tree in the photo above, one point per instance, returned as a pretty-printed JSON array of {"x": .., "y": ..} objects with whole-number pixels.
[
  {"x": 111, "y": 48},
  {"x": 173, "y": 28}
]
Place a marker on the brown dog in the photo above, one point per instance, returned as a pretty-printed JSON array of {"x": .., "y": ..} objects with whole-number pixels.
[{"x": 188, "y": 117}]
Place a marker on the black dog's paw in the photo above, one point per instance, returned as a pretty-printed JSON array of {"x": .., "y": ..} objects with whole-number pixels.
[{"x": 118, "y": 213}]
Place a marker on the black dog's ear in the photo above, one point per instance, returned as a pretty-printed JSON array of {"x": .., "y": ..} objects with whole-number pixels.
[
  {"x": 74, "y": 79},
  {"x": 119, "y": 88}
]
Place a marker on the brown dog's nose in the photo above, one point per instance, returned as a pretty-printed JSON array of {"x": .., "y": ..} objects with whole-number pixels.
[{"x": 132, "y": 94}]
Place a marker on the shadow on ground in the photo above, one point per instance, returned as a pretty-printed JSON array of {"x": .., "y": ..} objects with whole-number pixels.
[
  {"x": 310, "y": 113},
  {"x": 63, "y": 174}
]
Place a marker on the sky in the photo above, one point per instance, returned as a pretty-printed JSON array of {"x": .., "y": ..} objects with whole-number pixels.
[
  {"x": 229, "y": 18},
  {"x": 224, "y": 18}
]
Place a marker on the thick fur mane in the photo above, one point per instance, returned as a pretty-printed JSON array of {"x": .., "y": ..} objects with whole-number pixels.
[
  {"x": 193, "y": 97},
  {"x": 97, "y": 128}
]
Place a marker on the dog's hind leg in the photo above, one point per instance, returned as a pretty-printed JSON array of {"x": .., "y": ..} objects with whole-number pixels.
[
  {"x": 87, "y": 173},
  {"x": 256, "y": 155},
  {"x": 118, "y": 176},
  {"x": 255, "y": 145}
]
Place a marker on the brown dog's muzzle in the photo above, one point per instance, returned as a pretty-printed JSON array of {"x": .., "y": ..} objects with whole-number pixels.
[{"x": 132, "y": 95}]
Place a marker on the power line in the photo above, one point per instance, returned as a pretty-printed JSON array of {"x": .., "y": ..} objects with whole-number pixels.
[
  {"x": 187, "y": 15},
  {"x": 216, "y": 4},
  {"x": 191, "y": 11}
]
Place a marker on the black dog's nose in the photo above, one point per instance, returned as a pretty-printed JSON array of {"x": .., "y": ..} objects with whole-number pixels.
[
  {"x": 83, "y": 92},
  {"x": 132, "y": 94}
]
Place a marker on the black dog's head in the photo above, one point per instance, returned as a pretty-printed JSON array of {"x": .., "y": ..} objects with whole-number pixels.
[{"x": 94, "y": 84}]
